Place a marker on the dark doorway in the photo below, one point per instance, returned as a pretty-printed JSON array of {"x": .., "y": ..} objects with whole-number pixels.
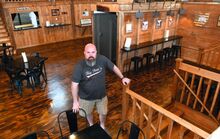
[{"x": 105, "y": 34}]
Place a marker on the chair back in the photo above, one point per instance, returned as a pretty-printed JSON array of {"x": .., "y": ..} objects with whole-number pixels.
[
  {"x": 134, "y": 130},
  {"x": 72, "y": 119},
  {"x": 35, "y": 135}
]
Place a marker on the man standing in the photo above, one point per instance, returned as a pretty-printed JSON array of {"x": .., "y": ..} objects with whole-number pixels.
[{"x": 88, "y": 83}]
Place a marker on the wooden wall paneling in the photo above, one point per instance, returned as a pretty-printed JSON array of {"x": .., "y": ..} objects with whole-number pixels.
[
  {"x": 130, "y": 18},
  {"x": 79, "y": 8},
  {"x": 60, "y": 33},
  {"x": 65, "y": 11},
  {"x": 124, "y": 1},
  {"x": 159, "y": 31},
  {"x": 43, "y": 35},
  {"x": 120, "y": 29},
  {"x": 204, "y": 37},
  {"x": 145, "y": 35},
  {"x": 28, "y": 38}
]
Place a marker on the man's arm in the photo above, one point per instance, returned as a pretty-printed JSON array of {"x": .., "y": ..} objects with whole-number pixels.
[
  {"x": 75, "y": 89},
  {"x": 124, "y": 80}
]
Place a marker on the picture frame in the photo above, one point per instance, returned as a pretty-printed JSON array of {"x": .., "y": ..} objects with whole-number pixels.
[
  {"x": 158, "y": 23},
  {"x": 144, "y": 25},
  {"x": 201, "y": 20},
  {"x": 55, "y": 12}
]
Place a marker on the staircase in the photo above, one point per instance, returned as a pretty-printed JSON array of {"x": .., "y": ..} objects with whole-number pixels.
[
  {"x": 202, "y": 121},
  {"x": 4, "y": 36},
  {"x": 194, "y": 112}
]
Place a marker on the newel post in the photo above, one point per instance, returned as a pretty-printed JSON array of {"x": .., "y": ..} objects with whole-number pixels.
[
  {"x": 178, "y": 62},
  {"x": 125, "y": 101}
]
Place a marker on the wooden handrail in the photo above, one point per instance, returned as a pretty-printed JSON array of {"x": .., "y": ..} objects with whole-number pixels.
[
  {"x": 166, "y": 113},
  {"x": 145, "y": 116},
  {"x": 210, "y": 49}
]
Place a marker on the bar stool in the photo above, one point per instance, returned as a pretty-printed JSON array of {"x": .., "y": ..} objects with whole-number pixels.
[
  {"x": 168, "y": 54},
  {"x": 149, "y": 57},
  {"x": 176, "y": 51},
  {"x": 137, "y": 61},
  {"x": 160, "y": 57},
  {"x": 126, "y": 65}
]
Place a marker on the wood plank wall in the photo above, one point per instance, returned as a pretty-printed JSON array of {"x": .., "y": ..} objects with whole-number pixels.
[
  {"x": 196, "y": 38},
  {"x": 138, "y": 35},
  {"x": 44, "y": 35}
]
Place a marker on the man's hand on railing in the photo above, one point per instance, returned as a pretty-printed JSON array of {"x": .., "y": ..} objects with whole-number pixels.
[{"x": 125, "y": 81}]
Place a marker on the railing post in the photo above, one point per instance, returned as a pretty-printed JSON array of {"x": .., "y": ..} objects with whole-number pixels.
[
  {"x": 149, "y": 122},
  {"x": 201, "y": 51},
  {"x": 178, "y": 62},
  {"x": 125, "y": 101}
]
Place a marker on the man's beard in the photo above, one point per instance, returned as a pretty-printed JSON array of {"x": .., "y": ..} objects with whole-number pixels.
[{"x": 91, "y": 61}]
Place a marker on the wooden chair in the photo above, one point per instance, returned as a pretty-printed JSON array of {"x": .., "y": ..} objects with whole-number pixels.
[{"x": 16, "y": 76}]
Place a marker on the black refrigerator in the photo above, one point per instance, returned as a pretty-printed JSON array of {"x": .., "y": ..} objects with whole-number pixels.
[{"x": 105, "y": 34}]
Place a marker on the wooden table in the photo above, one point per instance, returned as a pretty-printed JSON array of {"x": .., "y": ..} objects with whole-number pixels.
[{"x": 92, "y": 132}]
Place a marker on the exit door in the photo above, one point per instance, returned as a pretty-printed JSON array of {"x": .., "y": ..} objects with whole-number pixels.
[{"x": 105, "y": 34}]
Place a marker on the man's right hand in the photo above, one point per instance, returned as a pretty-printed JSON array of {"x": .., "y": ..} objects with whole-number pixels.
[{"x": 75, "y": 106}]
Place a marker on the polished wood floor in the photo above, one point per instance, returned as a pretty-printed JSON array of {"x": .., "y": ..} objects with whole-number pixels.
[{"x": 38, "y": 110}]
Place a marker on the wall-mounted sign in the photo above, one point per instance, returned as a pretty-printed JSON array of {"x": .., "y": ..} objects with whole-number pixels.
[
  {"x": 23, "y": 8},
  {"x": 201, "y": 19},
  {"x": 128, "y": 28}
]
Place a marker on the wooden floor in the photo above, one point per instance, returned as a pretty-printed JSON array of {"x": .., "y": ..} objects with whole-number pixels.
[{"x": 38, "y": 110}]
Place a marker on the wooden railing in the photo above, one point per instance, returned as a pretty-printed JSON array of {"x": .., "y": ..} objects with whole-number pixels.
[
  {"x": 144, "y": 111},
  {"x": 210, "y": 57},
  {"x": 205, "y": 57},
  {"x": 198, "y": 88}
]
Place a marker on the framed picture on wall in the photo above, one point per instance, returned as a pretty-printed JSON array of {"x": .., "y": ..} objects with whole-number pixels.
[
  {"x": 158, "y": 24},
  {"x": 201, "y": 19},
  {"x": 55, "y": 12},
  {"x": 145, "y": 25}
]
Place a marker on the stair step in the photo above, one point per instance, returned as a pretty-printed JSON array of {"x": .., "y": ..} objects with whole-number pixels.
[
  {"x": 2, "y": 27},
  {"x": 4, "y": 40},
  {"x": 165, "y": 122},
  {"x": 5, "y": 34},
  {"x": 197, "y": 118},
  {"x": 3, "y": 30}
]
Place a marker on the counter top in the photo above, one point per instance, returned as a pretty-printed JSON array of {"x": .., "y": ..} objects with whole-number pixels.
[
  {"x": 57, "y": 25},
  {"x": 26, "y": 28},
  {"x": 150, "y": 43}
]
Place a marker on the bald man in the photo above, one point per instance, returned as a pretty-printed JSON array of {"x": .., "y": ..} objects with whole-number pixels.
[{"x": 88, "y": 83}]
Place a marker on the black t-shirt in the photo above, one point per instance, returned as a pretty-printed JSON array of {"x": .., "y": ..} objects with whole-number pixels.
[{"x": 92, "y": 79}]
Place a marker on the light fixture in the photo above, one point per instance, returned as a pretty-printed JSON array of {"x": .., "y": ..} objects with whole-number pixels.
[
  {"x": 182, "y": 11},
  {"x": 139, "y": 14}
]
